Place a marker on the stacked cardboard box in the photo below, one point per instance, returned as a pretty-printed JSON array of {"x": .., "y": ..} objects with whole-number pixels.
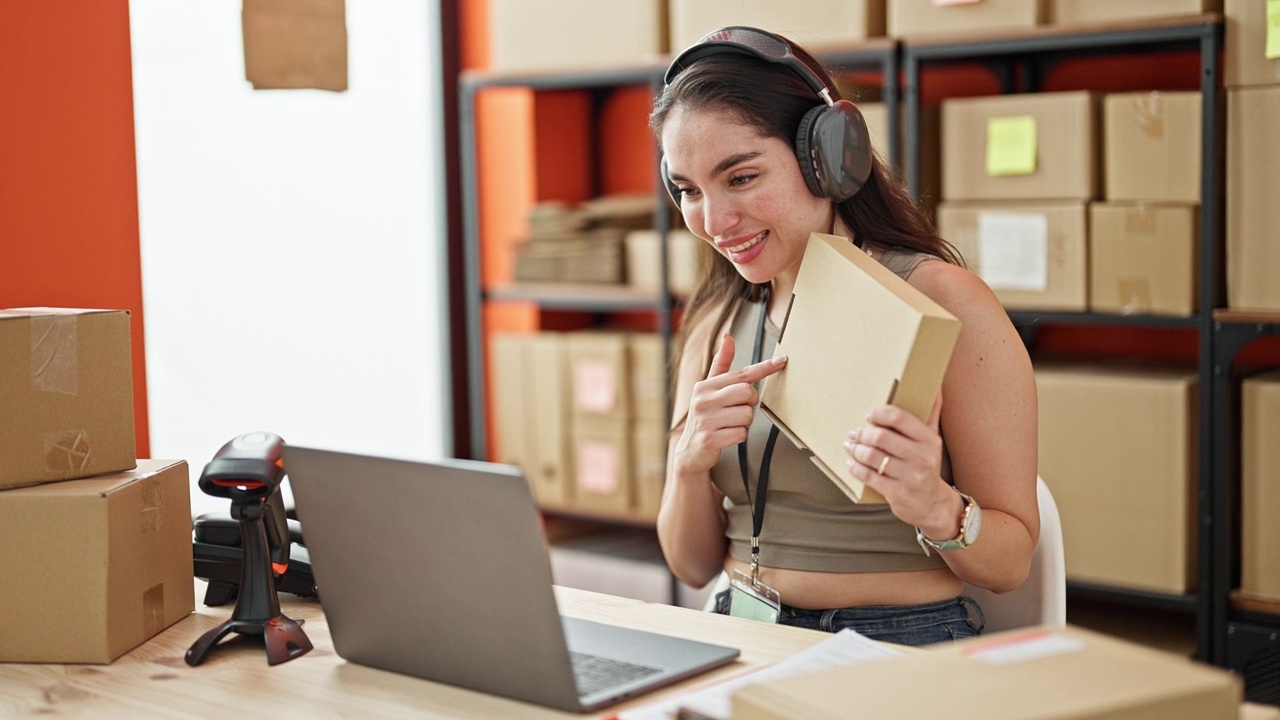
[
  {"x": 585, "y": 413},
  {"x": 817, "y": 24},
  {"x": 1252, "y": 76},
  {"x": 1017, "y": 172},
  {"x": 1260, "y": 487},
  {"x": 1117, "y": 448},
  {"x": 1143, "y": 240},
  {"x": 582, "y": 243},
  {"x": 1082, "y": 12},
  {"x": 914, "y": 18},
  {"x": 568, "y": 35},
  {"x": 97, "y": 553}
]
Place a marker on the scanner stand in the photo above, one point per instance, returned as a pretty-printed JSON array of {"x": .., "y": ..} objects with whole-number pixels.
[{"x": 257, "y": 610}]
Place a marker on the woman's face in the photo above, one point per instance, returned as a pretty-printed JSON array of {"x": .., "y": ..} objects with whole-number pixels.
[{"x": 742, "y": 192}]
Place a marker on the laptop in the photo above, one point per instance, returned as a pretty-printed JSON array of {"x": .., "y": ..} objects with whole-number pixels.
[{"x": 440, "y": 570}]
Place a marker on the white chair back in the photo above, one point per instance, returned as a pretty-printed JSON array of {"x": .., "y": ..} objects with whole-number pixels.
[{"x": 1042, "y": 599}]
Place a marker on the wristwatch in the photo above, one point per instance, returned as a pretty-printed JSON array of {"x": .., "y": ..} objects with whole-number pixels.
[{"x": 970, "y": 526}]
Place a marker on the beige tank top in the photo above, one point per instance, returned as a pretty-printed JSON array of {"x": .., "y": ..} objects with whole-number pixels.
[{"x": 809, "y": 524}]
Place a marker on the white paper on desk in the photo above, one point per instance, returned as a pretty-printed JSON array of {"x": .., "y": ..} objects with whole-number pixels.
[{"x": 846, "y": 647}]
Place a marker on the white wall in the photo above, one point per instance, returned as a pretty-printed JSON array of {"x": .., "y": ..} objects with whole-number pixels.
[{"x": 292, "y": 240}]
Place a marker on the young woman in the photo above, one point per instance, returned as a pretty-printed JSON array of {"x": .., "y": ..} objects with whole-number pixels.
[{"x": 757, "y": 159}]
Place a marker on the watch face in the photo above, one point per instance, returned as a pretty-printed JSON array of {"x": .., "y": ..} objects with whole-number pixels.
[{"x": 973, "y": 524}]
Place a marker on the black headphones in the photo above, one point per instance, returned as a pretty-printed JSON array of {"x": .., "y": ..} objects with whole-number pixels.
[{"x": 832, "y": 143}]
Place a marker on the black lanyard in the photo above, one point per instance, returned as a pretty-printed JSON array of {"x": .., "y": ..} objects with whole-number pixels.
[{"x": 762, "y": 485}]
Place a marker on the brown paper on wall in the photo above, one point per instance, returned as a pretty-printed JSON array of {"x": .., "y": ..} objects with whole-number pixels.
[{"x": 295, "y": 44}]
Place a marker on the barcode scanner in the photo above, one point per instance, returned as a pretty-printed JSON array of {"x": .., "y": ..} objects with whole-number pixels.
[{"x": 248, "y": 470}]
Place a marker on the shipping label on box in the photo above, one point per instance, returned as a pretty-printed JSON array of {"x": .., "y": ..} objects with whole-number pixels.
[
  {"x": 1260, "y": 487},
  {"x": 1143, "y": 259},
  {"x": 1152, "y": 146},
  {"x": 1041, "y": 146},
  {"x": 1034, "y": 256},
  {"x": 1128, "y": 503},
  {"x": 94, "y": 567},
  {"x": 66, "y": 389},
  {"x": 849, "y": 311},
  {"x": 1043, "y": 673}
]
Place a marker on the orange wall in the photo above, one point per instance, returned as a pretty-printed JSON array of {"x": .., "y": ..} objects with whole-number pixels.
[{"x": 68, "y": 182}]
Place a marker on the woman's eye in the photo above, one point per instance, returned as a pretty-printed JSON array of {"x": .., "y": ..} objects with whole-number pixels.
[
  {"x": 742, "y": 179},
  {"x": 687, "y": 192}
]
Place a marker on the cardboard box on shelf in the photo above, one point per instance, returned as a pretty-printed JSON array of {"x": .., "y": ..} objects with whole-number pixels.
[
  {"x": 912, "y": 18},
  {"x": 1260, "y": 487},
  {"x": 685, "y": 261},
  {"x": 602, "y": 464},
  {"x": 1152, "y": 146},
  {"x": 1117, "y": 447},
  {"x": 649, "y": 452},
  {"x": 66, "y": 389},
  {"x": 548, "y": 419},
  {"x": 877, "y": 117},
  {"x": 1041, "y": 673},
  {"x": 648, "y": 377},
  {"x": 509, "y": 359},
  {"x": 599, "y": 374},
  {"x": 1074, "y": 12},
  {"x": 844, "y": 304},
  {"x": 815, "y": 24},
  {"x": 575, "y": 34},
  {"x": 96, "y": 566},
  {"x": 1143, "y": 258},
  {"x": 1253, "y": 215},
  {"x": 1039, "y": 146},
  {"x": 1033, "y": 255},
  {"x": 1252, "y": 56}
]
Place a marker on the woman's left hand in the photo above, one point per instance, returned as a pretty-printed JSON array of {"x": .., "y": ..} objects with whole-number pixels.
[{"x": 900, "y": 456}]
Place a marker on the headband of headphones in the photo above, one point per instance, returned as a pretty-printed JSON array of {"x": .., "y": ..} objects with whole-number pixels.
[{"x": 757, "y": 43}]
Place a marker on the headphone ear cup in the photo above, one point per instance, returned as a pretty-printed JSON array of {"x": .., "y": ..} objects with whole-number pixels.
[
  {"x": 672, "y": 190},
  {"x": 838, "y": 150},
  {"x": 804, "y": 150}
]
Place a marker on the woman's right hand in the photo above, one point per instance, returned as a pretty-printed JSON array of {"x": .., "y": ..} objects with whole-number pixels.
[{"x": 721, "y": 409}]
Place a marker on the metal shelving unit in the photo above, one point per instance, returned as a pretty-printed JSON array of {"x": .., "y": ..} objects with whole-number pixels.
[
  {"x": 1021, "y": 62},
  {"x": 877, "y": 55}
]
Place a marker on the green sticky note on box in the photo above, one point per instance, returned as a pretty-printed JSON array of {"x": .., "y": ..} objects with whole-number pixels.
[
  {"x": 1011, "y": 145},
  {"x": 1273, "y": 29}
]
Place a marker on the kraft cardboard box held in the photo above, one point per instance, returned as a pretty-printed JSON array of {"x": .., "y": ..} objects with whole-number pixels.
[
  {"x": 66, "y": 394},
  {"x": 1040, "y": 673},
  {"x": 854, "y": 320},
  {"x": 94, "y": 567}
]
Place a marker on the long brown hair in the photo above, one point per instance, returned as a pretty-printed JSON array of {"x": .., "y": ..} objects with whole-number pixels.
[{"x": 773, "y": 99}]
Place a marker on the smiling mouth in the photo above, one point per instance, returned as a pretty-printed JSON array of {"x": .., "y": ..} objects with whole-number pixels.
[{"x": 746, "y": 245}]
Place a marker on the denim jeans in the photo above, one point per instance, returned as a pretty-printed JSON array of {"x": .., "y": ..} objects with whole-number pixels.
[{"x": 902, "y": 624}]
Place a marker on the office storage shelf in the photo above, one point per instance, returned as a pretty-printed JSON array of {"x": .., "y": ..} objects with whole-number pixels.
[
  {"x": 603, "y": 298},
  {"x": 1251, "y": 628},
  {"x": 1139, "y": 598},
  {"x": 1020, "y": 62}
]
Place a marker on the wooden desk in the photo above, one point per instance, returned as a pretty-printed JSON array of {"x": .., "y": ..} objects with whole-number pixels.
[{"x": 235, "y": 680}]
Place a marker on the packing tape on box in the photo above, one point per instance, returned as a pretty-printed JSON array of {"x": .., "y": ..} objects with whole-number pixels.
[
  {"x": 66, "y": 450},
  {"x": 1148, "y": 113},
  {"x": 153, "y": 610},
  {"x": 1140, "y": 220},
  {"x": 1135, "y": 295},
  {"x": 152, "y": 499},
  {"x": 54, "y": 363}
]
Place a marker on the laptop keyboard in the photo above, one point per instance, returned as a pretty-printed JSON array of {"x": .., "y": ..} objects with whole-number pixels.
[{"x": 594, "y": 673}]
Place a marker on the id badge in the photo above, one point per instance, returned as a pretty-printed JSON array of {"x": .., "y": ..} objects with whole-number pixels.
[{"x": 753, "y": 599}]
